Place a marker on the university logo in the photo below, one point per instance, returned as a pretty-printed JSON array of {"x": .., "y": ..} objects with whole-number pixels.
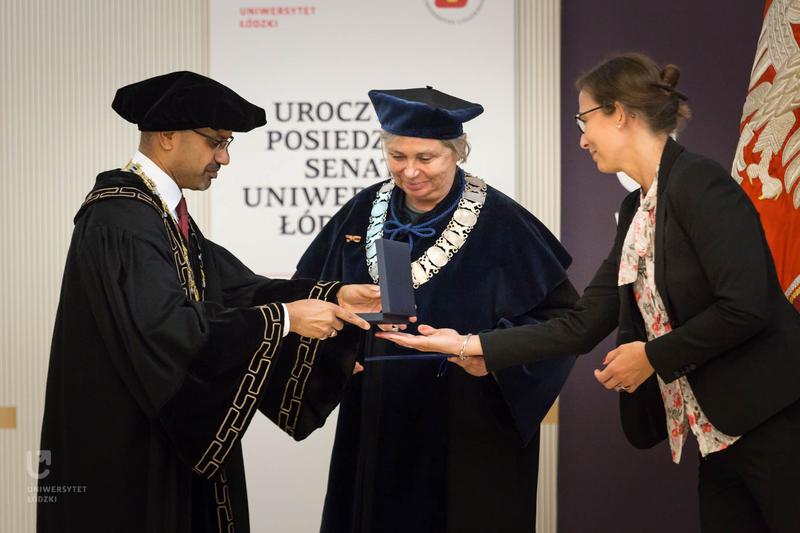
[
  {"x": 454, "y": 11},
  {"x": 44, "y": 456}
]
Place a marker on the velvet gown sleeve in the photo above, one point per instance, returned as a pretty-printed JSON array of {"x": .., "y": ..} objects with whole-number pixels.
[
  {"x": 312, "y": 375},
  {"x": 530, "y": 389},
  {"x": 309, "y": 376}
]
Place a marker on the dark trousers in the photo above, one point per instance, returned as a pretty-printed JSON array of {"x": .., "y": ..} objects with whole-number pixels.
[{"x": 754, "y": 486}]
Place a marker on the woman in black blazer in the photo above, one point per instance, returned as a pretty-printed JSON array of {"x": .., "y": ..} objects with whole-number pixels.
[{"x": 707, "y": 342}]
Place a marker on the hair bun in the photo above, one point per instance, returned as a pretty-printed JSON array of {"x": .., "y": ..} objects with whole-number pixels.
[{"x": 670, "y": 75}]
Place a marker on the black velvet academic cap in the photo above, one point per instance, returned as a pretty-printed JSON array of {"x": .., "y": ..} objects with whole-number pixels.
[
  {"x": 184, "y": 101},
  {"x": 423, "y": 112}
]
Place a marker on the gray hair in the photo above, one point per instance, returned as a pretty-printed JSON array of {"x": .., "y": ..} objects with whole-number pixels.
[{"x": 460, "y": 146}]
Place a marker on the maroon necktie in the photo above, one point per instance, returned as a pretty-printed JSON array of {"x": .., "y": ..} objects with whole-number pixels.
[{"x": 183, "y": 218}]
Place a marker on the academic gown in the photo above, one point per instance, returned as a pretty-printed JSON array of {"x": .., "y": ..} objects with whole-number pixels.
[
  {"x": 150, "y": 391},
  {"x": 417, "y": 452}
]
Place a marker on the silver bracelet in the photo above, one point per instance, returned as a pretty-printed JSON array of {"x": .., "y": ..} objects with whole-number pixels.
[{"x": 464, "y": 347}]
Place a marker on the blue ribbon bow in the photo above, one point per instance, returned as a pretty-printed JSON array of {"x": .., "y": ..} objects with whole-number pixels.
[{"x": 393, "y": 228}]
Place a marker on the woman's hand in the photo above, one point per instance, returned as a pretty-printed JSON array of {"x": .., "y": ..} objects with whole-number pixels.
[
  {"x": 474, "y": 365},
  {"x": 429, "y": 340},
  {"x": 627, "y": 367},
  {"x": 447, "y": 341}
]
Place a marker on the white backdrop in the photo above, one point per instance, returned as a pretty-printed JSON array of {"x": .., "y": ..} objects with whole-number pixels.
[{"x": 310, "y": 66}]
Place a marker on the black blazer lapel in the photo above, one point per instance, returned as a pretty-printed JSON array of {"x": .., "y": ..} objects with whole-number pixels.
[
  {"x": 629, "y": 316},
  {"x": 671, "y": 152}
]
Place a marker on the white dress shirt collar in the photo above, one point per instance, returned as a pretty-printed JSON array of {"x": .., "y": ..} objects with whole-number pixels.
[
  {"x": 169, "y": 191},
  {"x": 166, "y": 187}
]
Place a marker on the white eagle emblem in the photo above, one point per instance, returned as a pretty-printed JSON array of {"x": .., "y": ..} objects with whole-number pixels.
[
  {"x": 770, "y": 114},
  {"x": 769, "y": 145}
]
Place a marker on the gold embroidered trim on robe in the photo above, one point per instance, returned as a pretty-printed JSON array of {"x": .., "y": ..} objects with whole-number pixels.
[
  {"x": 246, "y": 399},
  {"x": 223, "y": 500},
  {"x": 304, "y": 361},
  {"x": 180, "y": 259}
]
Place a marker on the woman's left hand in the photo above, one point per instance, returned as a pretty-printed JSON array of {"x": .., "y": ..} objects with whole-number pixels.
[
  {"x": 627, "y": 367},
  {"x": 474, "y": 365}
]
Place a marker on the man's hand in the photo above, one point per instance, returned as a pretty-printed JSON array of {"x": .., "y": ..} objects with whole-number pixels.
[
  {"x": 627, "y": 367},
  {"x": 319, "y": 319},
  {"x": 360, "y": 298}
]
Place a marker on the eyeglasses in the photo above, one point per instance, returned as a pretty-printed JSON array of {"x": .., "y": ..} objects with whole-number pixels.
[
  {"x": 216, "y": 144},
  {"x": 579, "y": 117}
]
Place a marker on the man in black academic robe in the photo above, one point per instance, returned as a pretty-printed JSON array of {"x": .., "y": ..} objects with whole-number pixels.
[{"x": 165, "y": 345}]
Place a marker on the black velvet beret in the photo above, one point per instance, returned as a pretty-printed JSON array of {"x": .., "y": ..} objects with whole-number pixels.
[
  {"x": 183, "y": 101},
  {"x": 423, "y": 112}
]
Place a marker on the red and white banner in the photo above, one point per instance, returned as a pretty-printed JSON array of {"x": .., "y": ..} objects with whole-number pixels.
[
  {"x": 767, "y": 163},
  {"x": 310, "y": 66}
]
